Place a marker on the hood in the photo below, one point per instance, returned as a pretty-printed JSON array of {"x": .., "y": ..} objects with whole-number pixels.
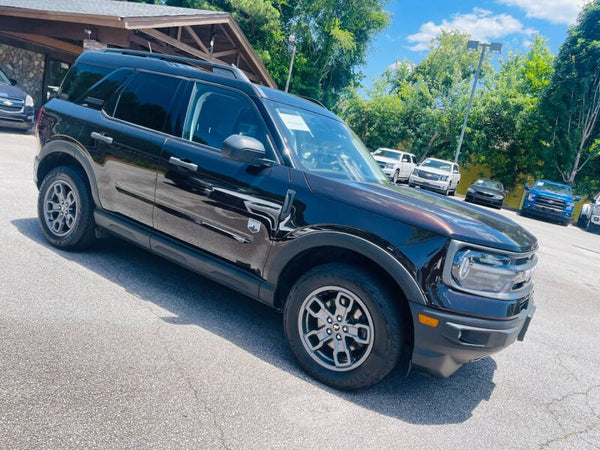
[
  {"x": 385, "y": 160},
  {"x": 433, "y": 212},
  {"x": 432, "y": 170},
  {"x": 567, "y": 198},
  {"x": 8, "y": 90},
  {"x": 487, "y": 190}
]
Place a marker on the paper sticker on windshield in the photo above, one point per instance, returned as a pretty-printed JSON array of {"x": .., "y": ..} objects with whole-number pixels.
[{"x": 294, "y": 122}]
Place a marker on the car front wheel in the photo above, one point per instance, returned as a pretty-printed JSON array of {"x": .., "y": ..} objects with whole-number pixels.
[
  {"x": 343, "y": 326},
  {"x": 65, "y": 209}
]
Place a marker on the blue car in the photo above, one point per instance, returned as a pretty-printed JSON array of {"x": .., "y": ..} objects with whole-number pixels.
[
  {"x": 550, "y": 200},
  {"x": 16, "y": 106}
]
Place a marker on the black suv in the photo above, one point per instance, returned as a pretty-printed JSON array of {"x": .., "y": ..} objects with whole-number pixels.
[{"x": 275, "y": 197}]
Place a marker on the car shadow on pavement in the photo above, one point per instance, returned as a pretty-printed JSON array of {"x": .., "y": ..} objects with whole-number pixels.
[{"x": 258, "y": 329}]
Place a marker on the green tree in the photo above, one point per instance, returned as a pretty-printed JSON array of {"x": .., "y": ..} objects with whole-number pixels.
[
  {"x": 505, "y": 122},
  {"x": 571, "y": 105}
]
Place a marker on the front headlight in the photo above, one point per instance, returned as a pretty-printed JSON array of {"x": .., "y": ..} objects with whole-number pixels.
[
  {"x": 570, "y": 205},
  {"x": 389, "y": 166},
  {"x": 444, "y": 178},
  {"x": 596, "y": 209},
  {"x": 29, "y": 101},
  {"x": 531, "y": 197},
  {"x": 471, "y": 190},
  {"x": 498, "y": 197},
  {"x": 487, "y": 273}
]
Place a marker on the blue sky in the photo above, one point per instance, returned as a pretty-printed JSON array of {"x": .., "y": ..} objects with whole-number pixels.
[{"x": 512, "y": 22}]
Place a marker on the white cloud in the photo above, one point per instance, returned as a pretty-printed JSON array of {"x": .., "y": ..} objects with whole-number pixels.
[
  {"x": 481, "y": 25},
  {"x": 554, "y": 11}
]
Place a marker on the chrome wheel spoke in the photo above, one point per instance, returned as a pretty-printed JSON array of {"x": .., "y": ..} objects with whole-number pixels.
[
  {"x": 341, "y": 353},
  {"x": 322, "y": 313},
  {"x": 319, "y": 336},
  {"x": 361, "y": 334},
  {"x": 343, "y": 305},
  {"x": 60, "y": 208},
  {"x": 334, "y": 340}
]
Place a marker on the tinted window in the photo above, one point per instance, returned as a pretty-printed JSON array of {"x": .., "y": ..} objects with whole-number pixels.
[
  {"x": 80, "y": 78},
  {"x": 101, "y": 91},
  {"x": 405, "y": 158},
  {"x": 413, "y": 159},
  {"x": 146, "y": 100},
  {"x": 441, "y": 165},
  {"x": 215, "y": 114},
  {"x": 387, "y": 153}
]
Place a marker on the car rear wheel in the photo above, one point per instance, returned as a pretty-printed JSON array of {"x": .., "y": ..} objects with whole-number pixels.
[
  {"x": 343, "y": 326},
  {"x": 65, "y": 209}
]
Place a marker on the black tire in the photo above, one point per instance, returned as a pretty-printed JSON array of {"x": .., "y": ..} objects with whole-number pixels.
[
  {"x": 75, "y": 209},
  {"x": 381, "y": 326},
  {"x": 452, "y": 193},
  {"x": 565, "y": 222},
  {"x": 582, "y": 221},
  {"x": 395, "y": 177},
  {"x": 411, "y": 185}
]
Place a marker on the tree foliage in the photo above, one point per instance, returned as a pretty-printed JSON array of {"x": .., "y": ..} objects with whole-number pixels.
[
  {"x": 332, "y": 38},
  {"x": 571, "y": 104}
]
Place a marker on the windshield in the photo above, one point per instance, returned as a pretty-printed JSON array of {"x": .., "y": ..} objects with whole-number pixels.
[
  {"x": 489, "y": 184},
  {"x": 558, "y": 189},
  {"x": 3, "y": 77},
  {"x": 387, "y": 154},
  {"x": 441, "y": 165},
  {"x": 323, "y": 145}
]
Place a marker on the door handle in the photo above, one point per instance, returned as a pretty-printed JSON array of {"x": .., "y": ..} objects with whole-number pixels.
[
  {"x": 181, "y": 163},
  {"x": 101, "y": 137}
]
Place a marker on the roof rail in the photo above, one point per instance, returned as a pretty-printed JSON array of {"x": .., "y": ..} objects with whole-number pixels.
[
  {"x": 313, "y": 100},
  {"x": 218, "y": 69}
]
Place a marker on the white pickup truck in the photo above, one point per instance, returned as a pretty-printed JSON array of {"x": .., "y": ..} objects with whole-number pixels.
[{"x": 590, "y": 215}]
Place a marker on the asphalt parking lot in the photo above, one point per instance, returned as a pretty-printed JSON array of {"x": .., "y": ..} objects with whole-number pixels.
[{"x": 117, "y": 348}]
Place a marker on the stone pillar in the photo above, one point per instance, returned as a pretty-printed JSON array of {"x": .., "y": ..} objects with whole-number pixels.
[{"x": 27, "y": 68}]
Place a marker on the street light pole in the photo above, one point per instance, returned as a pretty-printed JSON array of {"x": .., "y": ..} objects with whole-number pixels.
[
  {"x": 494, "y": 47},
  {"x": 292, "y": 44}
]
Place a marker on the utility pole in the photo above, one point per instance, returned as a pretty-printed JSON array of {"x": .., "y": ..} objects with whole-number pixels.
[
  {"x": 494, "y": 47},
  {"x": 292, "y": 47}
]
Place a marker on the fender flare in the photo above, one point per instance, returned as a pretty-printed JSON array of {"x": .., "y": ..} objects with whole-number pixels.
[
  {"x": 79, "y": 154},
  {"x": 357, "y": 244}
]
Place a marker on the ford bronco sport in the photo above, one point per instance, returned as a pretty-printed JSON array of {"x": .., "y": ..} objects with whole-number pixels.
[{"x": 275, "y": 197}]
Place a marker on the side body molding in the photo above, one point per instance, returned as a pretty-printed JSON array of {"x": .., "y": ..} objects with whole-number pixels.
[{"x": 278, "y": 260}]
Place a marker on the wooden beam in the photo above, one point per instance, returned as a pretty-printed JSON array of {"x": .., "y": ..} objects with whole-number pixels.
[
  {"x": 179, "y": 33},
  {"x": 48, "y": 42},
  {"x": 180, "y": 45},
  {"x": 196, "y": 39},
  {"x": 225, "y": 53}
]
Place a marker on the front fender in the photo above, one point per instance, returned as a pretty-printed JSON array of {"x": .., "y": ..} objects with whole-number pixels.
[{"x": 276, "y": 264}]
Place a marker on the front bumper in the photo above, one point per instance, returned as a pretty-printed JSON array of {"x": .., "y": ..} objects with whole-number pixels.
[
  {"x": 434, "y": 185},
  {"x": 483, "y": 199},
  {"x": 22, "y": 120},
  {"x": 544, "y": 211},
  {"x": 459, "y": 339}
]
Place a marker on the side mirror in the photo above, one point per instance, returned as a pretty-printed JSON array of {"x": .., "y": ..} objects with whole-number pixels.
[
  {"x": 506, "y": 191},
  {"x": 526, "y": 187},
  {"x": 471, "y": 183},
  {"x": 244, "y": 149},
  {"x": 577, "y": 198},
  {"x": 13, "y": 82}
]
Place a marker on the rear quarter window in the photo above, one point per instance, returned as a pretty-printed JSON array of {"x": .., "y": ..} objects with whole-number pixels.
[{"x": 80, "y": 78}]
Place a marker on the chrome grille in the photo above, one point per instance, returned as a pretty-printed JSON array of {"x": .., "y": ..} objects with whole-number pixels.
[
  {"x": 550, "y": 202},
  {"x": 11, "y": 104}
]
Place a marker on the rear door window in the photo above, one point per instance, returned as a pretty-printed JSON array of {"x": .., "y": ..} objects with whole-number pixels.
[{"x": 147, "y": 99}]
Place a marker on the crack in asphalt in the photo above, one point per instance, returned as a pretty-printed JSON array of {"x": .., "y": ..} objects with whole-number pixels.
[
  {"x": 191, "y": 387},
  {"x": 183, "y": 375},
  {"x": 572, "y": 433}
]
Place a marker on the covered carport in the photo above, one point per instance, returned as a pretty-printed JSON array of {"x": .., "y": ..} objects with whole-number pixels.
[{"x": 40, "y": 39}]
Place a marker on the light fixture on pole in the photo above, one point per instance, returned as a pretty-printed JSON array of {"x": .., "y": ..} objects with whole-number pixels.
[
  {"x": 495, "y": 47},
  {"x": 291, "y": 42}
]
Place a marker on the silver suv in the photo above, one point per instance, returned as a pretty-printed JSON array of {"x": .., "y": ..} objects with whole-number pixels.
[{"x": 437, "y": 175}]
